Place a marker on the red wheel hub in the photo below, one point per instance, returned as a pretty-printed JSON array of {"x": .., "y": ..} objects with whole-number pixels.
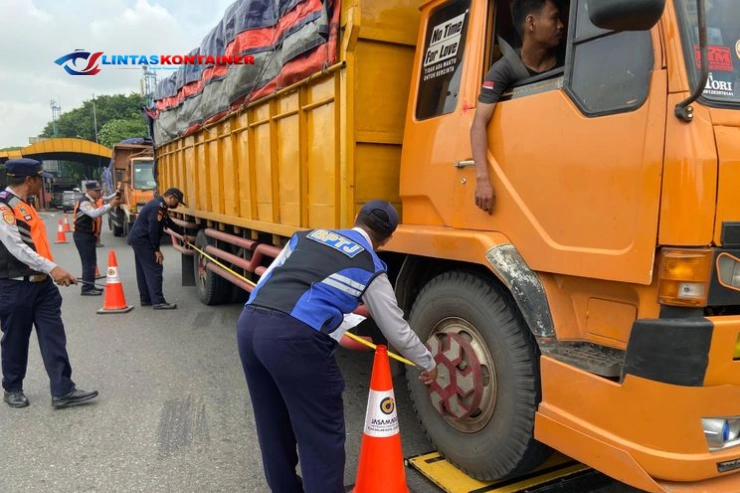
[{"x": 459, "y": 389}]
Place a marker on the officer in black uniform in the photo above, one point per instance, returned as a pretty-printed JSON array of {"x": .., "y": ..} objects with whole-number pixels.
[
  {"x": 287, "y": 336},
  {"x": 145, "y": 237},
  {"x": 28, "y": 295},
  {"x": 85, "y": 234}
]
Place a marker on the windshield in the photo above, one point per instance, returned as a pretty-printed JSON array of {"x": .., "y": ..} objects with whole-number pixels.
[
  {"x": 723, "y": 39},
  {"x": 143, "y": 176}
]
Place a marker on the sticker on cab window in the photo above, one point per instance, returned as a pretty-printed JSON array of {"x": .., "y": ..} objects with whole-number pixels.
[
  {"x": 719, "y": 58},
  {"x": 718, "y": 87}
]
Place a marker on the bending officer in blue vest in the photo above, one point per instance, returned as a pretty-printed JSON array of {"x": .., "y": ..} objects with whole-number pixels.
[{"x": 287, "y": 348}]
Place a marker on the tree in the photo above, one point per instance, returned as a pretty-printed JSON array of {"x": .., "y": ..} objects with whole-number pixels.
[
  {"x": 15, "y": 148},
  {"x": 117, "y": 130},
  {"x": 79, "y": 121}
]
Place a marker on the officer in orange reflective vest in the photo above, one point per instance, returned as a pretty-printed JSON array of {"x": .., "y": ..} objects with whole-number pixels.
[
  {"x": 87, "y": 226},
  {"x": 28, "y": 295}
]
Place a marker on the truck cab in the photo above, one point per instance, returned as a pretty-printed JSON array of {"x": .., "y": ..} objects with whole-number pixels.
[
  {"x": 132, "y": 172},
  {"x": 614, "y": 243}
]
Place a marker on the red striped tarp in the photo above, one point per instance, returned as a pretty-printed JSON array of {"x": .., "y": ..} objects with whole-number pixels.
[{"x": 288, "y": 40}]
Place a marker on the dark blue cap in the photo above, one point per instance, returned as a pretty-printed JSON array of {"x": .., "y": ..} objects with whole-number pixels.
[
  {"x": 177, "y": 193},
  {"x": 18, "y": 168},
  {"x": 92, "y": 185},
  {"x": 382, "y": 215}
]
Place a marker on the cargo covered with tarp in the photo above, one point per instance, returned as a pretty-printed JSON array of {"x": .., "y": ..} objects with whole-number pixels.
[{"x": 288, "y": 40}]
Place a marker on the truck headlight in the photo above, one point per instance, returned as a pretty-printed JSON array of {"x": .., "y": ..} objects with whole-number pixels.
[
  {"x": 728, "y": 270},
  {"x": 684, "y": 276},
  {"x": 721, "y": 433}
]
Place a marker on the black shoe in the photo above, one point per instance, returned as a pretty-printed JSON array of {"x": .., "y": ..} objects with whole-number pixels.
[
  {"x": 16, "y": 399},
  {"x": 92, "y": 292},
  {"x": 146, "y": 303},
  {"x": 77, "y": 396},
  {"x": 164, "y": 306}
]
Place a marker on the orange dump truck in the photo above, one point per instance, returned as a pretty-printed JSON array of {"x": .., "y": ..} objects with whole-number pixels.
[
  {"x": 131, "y": 171},
  {"x": 596, "y": 312}
]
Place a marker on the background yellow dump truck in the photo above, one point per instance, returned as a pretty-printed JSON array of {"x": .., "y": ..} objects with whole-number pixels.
[{"x": 597, "y": 310}]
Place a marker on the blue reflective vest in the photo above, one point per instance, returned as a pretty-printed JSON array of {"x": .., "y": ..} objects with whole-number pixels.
[{"x": 323, "y": 277}]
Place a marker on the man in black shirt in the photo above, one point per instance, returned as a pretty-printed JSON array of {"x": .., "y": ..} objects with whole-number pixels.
[
  {"x": 145, "y": 238},
  {"x": 541, "y": 30}
]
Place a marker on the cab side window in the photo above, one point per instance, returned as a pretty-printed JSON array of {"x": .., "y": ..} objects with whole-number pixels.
[
  {"x": 605, "y": 71},
  {"x": 442, "y": 59},
  {"x": 504, "y": 38},
  {"x": 608, "y": 72}
]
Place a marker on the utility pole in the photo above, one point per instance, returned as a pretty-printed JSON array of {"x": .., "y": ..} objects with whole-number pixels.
[
  {"x": 95, "y": 120},
  {"x": 56, "y": 112},
  {"x": 148, "y": 86}
]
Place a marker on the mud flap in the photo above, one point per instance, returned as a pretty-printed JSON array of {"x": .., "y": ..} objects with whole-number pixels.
[{"x": 188, "y": 270}]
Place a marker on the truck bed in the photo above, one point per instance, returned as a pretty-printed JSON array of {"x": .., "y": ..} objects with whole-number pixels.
[{"x": 312, "y": 153}]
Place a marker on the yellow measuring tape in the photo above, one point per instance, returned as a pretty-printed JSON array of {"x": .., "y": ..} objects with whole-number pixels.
[{"x": 348, "y": 334}]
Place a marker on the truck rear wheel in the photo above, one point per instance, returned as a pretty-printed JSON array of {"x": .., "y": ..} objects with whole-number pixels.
[
  {"x": 212, "y": 288},
  {"x": 480, "y": 412}
]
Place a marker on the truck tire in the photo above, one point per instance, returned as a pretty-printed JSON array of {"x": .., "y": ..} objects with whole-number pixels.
[
  {"x": 128, "y": 224},
  {"x": 212, "y": 288},
  {"x": 118, "y": 224},
  {"x": 485, "y": 425}
]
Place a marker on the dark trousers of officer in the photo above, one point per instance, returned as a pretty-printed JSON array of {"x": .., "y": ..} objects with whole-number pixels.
[
  {"x": 296, "y": 390},
  {"x": 24, "y": 304},
  {"x": 148, "y": 275},
  {"x": 88, "y": 254}
]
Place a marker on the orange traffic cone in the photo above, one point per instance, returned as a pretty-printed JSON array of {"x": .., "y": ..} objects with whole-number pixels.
[
  {"x": 381, "y": 466},
  {"x": 61, "y": 237},
  {"x": 115, "y": 301},
  {"x": 97, "y": 273},
  {"x": 67, "y": 229}
]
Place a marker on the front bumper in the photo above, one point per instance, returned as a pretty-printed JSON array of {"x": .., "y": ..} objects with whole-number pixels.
[{"x": 646, "y": 430}]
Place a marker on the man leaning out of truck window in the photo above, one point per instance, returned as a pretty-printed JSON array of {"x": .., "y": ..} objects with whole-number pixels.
[{"x": 539, "y": 26}]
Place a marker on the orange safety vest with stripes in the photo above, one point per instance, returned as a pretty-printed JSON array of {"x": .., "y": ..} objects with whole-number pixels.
[
  {"x": 99, "y": 220},
  {"x": 32, "y": 230},
  {"x": 85, "y": 223}
]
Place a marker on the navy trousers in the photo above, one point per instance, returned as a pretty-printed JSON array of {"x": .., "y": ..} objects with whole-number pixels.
[
  {"x": 296, "y": 390},
  {"x": 85, "y": 244},
  {"x": 24, "y": 304},
  {"x": 148, "y": 275}
]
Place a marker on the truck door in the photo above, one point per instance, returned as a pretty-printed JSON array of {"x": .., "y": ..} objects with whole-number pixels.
[
  {"x": 438, "y": 112},
  {"x": 575, "y": 154}
]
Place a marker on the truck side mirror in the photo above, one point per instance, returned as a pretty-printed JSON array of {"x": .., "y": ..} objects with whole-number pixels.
[{"x": 625, "y": 15}]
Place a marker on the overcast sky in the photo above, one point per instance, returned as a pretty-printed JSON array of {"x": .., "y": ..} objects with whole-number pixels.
[{"x": 34, "y": 33}]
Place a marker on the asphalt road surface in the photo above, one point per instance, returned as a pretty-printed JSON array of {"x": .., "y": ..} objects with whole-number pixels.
[{"x": 173, "y": 413}]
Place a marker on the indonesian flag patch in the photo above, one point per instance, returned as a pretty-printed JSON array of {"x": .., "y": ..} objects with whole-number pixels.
[{"x": 488, "y": 85}]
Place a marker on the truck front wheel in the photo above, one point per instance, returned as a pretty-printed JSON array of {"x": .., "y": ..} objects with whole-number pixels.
[
  {"x": 117, "y": 223},
  {"x": 480, "y": 412}
]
